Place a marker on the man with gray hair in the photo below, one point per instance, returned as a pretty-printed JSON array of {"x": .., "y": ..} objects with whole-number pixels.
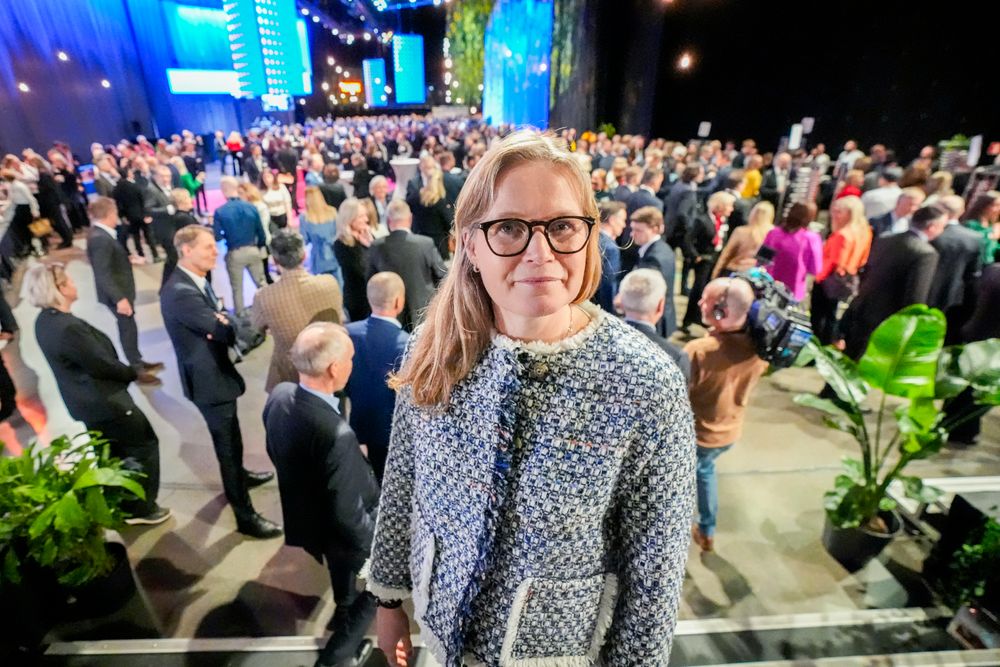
[
  {"x": 415, "y": 258},
  {"x": 329, "y": 496},
  {"x": 238, "y": 224},
  {"x": 289, "y": 305},
  {"x": 642, "y": 298}
]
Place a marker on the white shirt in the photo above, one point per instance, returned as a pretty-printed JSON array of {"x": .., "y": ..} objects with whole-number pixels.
[
  {"x": 899, "y": 225},
  {"x": 880, "y": 201},
  {"x": 113, "y": 233},
  {"x": 199, "y": 281},
  {"x": 645, "y": 246},
  {"x": 330, "y": 399}
]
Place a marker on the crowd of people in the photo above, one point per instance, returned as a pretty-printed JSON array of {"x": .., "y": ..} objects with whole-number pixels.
[{"x": 448, "y": 324}]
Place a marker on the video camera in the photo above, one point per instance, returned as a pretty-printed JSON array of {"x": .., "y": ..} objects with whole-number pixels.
[{"x": 777, "y": 326}]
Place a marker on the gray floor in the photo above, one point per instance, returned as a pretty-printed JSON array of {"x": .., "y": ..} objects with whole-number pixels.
[{"x": 205, "y": 580}]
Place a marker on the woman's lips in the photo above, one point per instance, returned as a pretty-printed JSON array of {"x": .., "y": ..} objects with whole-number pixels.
[{"x": 537, "y": 281}]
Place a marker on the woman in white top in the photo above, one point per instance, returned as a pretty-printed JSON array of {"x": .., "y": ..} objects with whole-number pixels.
[
  {"x": 250, "y": 193},
  {"x": 277, "y": 199}
]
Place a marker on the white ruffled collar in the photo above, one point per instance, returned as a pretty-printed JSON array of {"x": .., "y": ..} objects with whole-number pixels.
[{"x": 576, "y": 341}]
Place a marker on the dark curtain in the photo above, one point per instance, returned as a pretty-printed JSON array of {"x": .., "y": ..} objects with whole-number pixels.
[{"x": 574, "y": 65}]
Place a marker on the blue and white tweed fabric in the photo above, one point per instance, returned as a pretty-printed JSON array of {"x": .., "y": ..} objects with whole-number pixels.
[{"x": 542, "y": 519}]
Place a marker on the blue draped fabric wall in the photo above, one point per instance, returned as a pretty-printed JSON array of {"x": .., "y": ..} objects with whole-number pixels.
[
  {"x": 127, "y": 42},
  {"x": 518, "y": 48}
]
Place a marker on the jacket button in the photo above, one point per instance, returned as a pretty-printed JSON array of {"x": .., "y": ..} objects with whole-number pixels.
[{"x": 538, "y": 370}]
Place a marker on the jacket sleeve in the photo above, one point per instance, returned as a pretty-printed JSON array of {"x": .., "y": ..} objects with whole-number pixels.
[
  {"x": 101, "y": 261},
  {"x": 654, "y": 508},
  {"x": 389, "y": 574},
  {"x": 919, "y": 279},
  {"x": 8, "y": 322},
  {"x": 190, "y": 309},
  {"x": 94, "y": 358},
  {"x": 834, "y": 256},
  {"x": 347, "y": 473}
]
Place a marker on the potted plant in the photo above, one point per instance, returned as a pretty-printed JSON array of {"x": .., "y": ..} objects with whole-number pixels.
[
  {"x": 905, "y": 358},
  {"x": 56, "y": 503}
]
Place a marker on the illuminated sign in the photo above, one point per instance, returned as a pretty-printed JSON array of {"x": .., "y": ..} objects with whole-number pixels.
[
  {"x": 203, "y": 82},
  {"x": 268, "y": 47},
  {"x": 350, "y": 87},
  {"x": 408, "y": 66},
  {"x": 375, "y": 82}
]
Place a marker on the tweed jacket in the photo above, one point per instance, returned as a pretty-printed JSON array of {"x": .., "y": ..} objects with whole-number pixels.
[
  {"x": 286, "y": 308},
  {"x": 541, "y": 518}
]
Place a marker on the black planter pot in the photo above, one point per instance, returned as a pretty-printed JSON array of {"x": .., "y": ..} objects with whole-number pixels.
[
  {"x": 855, "y": 547},
  {"x": 106, "y": 594}
]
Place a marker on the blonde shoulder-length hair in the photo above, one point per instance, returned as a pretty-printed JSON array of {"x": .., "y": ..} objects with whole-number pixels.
[
  {"x": 348, "y": 211},
  {"x": 459, "y": 321},
  {"x": 433, "y": 192}
]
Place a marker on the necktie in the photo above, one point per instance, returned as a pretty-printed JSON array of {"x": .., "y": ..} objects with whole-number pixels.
[{"x": 210, "y": 293}]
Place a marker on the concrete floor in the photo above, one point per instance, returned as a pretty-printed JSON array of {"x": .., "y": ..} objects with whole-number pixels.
[{"x": 205, "y": 580}]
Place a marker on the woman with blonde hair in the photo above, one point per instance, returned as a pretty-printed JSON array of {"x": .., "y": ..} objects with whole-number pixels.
[
  {"x": 319, "y": 228},
  {"x": 530, "y": 523},
  {"x": 354, "y": 238},
  {"x": 378, "y": 231},
  {"x": 741, "y": 249},
  {"x": 251, "y": 194},
  {"x": 853, "y": 182},
  {"x": 845, "y": 251},
  {"x": 426, "y": 197}
]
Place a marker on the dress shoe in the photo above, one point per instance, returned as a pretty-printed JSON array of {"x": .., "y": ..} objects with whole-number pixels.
[
  {"x": 147, "y": 378},
  {"x": 257, "y": 478},
  {"x": 259, "y": 527},
  {"x": 153, "y": 366},
  {"x": 359, "y": 659},
  {"x": 347, "y": 644}
]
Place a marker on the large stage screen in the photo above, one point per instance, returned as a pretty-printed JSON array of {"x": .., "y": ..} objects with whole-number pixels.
[
  {"x": 375, "y": 82},
  {"x": 518, "y": 49},
  {"x": 408, "y": 66},
  {"x": 268, "y": 46}
]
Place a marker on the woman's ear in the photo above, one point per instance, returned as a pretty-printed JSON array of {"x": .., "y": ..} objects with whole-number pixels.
[{"x": 470, "y": 247}]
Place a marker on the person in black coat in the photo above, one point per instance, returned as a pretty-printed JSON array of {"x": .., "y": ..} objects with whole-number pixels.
[
  {"x": 352, "y": 247},
  {"x": 701, "y": 244},
  {"x": 983, "y": 325},
  {"x": 428, "y": 200},
  {"x": 131, "y": 200},
  {"x": 329, "y": 496},
  {"x": 94, "y": 383},
  {"x": 899, "y": 273},
  {"x": 379, "y": 342},
  {"x": 50, "y": 202},
  {"x": 777, "y": 181},
  {"x": 642, "y": 299},
  {"x": 333, "y": 190},
  {"x": 115, "y": 283},
  {"x": 203, "y": 338},
  {"x": 169, "y": 225},
  {"x": 361, "y": 177},
  {"x": 8, "y": 392},
  {"x": 654, "y": 253},
  {"x": 960, "y": 262},
  {"x": 412, "y": 257}
]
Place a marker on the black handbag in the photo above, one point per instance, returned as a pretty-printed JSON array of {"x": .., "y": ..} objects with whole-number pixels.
[{"x": 840, "y": 286}]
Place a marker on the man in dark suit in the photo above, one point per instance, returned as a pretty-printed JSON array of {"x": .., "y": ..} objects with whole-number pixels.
[
  {"x": 701, "y": 245},
  {"x": 94, "y": 384},
  {"x": 777, "y": 181},
  {"x": 329, "y": 496},
  {"x": 413, "y": 257},
  {"x": 734, "y": 182},
  {"x": 899, "y": 273},
  {"x": 681, "y": 202},
  {"x": 106, "y": 176},
  {"x": 130, "y": 198},
  {"x": 379, "y": 342},
  {"x": 654, "y": 253},
  {"x": 613, "y": 222},
  {"x": 115, "y": 283},
  {"x": 331, "y": 187},
  {"x": 651, "y": 181},
  {"x": 452, "y": 182},
  {"x": 897, "y": 220},
  {"x": 642, "y": 299},
  {"x": 203, "y": 336},
  {"x": 959, "y": 265}
]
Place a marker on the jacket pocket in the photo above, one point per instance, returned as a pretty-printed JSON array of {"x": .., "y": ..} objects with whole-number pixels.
[{"x": 559, "y": 623}]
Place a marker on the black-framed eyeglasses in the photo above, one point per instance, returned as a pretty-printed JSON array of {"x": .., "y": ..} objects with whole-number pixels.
[{"x": 566, "y": 234}]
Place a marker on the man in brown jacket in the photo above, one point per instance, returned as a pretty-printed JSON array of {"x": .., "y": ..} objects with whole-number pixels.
[
  {"x": 292, "y": 303},
  {"x": 724, "y": 370}
]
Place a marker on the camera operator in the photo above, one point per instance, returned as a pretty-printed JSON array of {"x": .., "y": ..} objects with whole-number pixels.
[{"x": 724, "y": 370}]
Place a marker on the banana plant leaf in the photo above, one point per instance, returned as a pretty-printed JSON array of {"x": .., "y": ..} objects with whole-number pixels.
[{"x": 902, "y": 355}]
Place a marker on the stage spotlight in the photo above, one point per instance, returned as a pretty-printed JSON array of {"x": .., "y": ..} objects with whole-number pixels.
[
  {"x": 472, "y": 110},
  {"x": 347, "y": 75},
  {"x": 685, "y": 62},
  {"x": 339, "y": 69},
  {"x": 385, "y": 98},
  {"x": 325, "y": 86},
  {"x": 330, "y": 61},
  {"x": 544, "y": 67},
  {"x": 454, "y": 84},
  {"x": 368, "y": 36},
  {"x": 302, "y": 103},
  {"x": 305, "y": 12},
  {"x": 315, "y": 19},
  {"x": 480, "y": 86},
  {"x": 366, "y": 105},
  {"x": 62, "y": 56},
  {"x": 23, "y": 87},
  {"x": 105, "y": 83},
  {"x": 447, "y": 62},
  {"x": 334, "y": 32},
  {"x": 388, "y": 90}
]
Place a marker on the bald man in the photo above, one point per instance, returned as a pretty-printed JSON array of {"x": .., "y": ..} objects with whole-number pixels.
[{"x": 724, "y": 370}]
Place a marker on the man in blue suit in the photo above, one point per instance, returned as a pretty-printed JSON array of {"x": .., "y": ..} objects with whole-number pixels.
[
  {"x": 613, "y": 221},
  {"x": 379, "y": 342}
]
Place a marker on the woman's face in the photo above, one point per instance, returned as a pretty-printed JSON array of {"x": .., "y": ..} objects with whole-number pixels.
[
  {"x": 839, "y": 215},
  {"x": 268, "y": 179},
  {"x": 538, "y": 282},
  {"x": 360, "y": 223}
]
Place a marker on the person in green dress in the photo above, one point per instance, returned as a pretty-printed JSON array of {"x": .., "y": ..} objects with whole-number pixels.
[{"x": 982, "y": 217}]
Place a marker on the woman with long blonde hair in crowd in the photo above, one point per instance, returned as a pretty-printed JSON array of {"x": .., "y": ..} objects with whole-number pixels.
[
  {"x": 426, "y": 196},
  {"x": 845, "y": 251},
  {"x": 741, "y": 248},
  {"x": 319, "y": 228},
  {"x": 354, "y": 238},
  {"x": 250, "y": 193}
]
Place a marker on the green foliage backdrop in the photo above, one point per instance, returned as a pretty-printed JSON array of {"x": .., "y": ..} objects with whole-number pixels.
[{"x": 466, "y": 34}]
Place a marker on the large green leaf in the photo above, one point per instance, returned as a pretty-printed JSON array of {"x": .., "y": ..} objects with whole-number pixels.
[
  {"x": 840, "y": 372},
  {"x": 70, "y": 515},
  {"x": 949, "y": 382},
  {"x": 979, "y": 363},
  {"x": 902, "y": 354}
]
